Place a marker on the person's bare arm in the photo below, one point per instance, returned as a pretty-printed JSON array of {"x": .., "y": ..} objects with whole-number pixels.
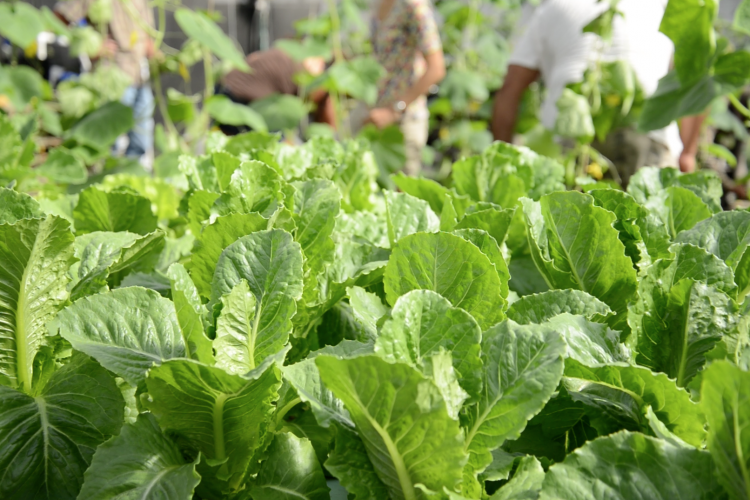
[
  {"x": 507, "y": 100},
  {"x": 690, "y": 133},
  {"x": 434, "y": 74}
]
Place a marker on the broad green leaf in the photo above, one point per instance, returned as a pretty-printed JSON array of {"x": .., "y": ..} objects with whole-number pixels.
[
  {"x": 727, "y": 236},
  {"x": 589, "y": 343},
  {"x": 407, "y": 215},
  {"x": 350, "y": 464},
  {"x": 64, "y": 167},
  {"x": 48, "y": 440},
  {"x": 253, "y": 187},
  {"x": 680, "y": 210},
  {"x": 494, "y": 221},
  {"x": 629, "y": 465},
  {"x": 226, "y": 112},
  {"x": 422, "y": 323},
  {"x": 226, "y": 417},
  {"x": 100, "y": 128},
  {"x": 522, "y": 368},
  {"x": 225, "y": 165},
  {"x": 140, "y": 463},
  {"x": 525, "y": 484},
  {"x": 199, "y": 204},
  {"x": 649, "y": 184},
  {"x": 22, "y": 23},
  {"x": 575, "y": 246},
  {"x": 439, "y": 368},
  {"x": 724, "y": 399},
  {"x": 212, "y": 241},
  {"x": 35, "y": 255},
  {"x": 291, "y": 471},
  {"x": 424, "y": 189},
  {"x": 270, "y": 262},
  {"x": 689, "y": 24},
  {"x": 489, "y": 247},
  {"x": 629, "y": 215},
  {"x": 199, "y": 27},
  {"x": 402, "y": 421},
  {"x": 281, "y": 112},
  {"x": 113, "y": 211},
  {"x": 127, "y": 330},
  {"x": 742, "y": 17},
  {"x": 16, "y": 206},
  {"x": 199, "y": 172},
  {"x": 190, "y": 312},
  {"x": 681, "y": 311},
  {"x": 305, "y": 378},
  {"x": 451, "y": 266},
  {"x": 367, "y": 309},
  {"x": 617, "y": 397},
  {"x": 163, "y": 195},
  {"x": 103, "y": 253},
  {"x": 541, "y": 307}
]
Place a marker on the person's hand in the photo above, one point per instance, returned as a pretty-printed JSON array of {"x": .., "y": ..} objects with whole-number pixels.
[
  {"x": 109, "y": 48},
  {"x": 314, "y": 65},
  {"x": 382, "y": 117},
  {"x": 151, "y": 51},
  {"x": 687, "y": 162}
]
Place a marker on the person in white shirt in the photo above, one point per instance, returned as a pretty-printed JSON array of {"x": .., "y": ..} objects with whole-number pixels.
[{"x": 555, "y": 48}]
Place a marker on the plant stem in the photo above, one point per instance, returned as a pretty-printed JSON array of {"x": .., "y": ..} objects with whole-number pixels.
[
  {"x": 338, "y": 51},
  {"x": 737, "y": 104},
  {"x": 286, "y": 408}
]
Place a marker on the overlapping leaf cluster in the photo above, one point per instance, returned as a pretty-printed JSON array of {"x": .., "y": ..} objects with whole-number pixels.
[{"x": 278, "y": 321}]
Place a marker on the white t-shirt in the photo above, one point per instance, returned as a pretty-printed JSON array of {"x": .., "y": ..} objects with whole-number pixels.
[{"x": 554, "y": 43}]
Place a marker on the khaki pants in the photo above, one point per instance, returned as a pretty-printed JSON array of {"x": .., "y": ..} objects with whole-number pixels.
[
  {"x": 629, "y": 150},
  {"x": 414, "y": 126}
]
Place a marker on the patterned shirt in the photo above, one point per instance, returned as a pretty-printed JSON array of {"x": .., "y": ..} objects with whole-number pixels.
[
  {"x": 127, "y": 33},
  {"x": 399, "y": 43}
]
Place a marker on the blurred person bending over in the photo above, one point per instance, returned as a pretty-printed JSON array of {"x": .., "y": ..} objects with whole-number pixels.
[
  {"x": 129, "y": 47},
  {"x": 272, "y": 72},
  {"x": 555, "y": 48},
  {"x": 406, "y": 42}
]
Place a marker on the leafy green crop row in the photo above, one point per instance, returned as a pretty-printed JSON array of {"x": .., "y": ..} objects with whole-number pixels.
[{"x": 264, "y": 319}]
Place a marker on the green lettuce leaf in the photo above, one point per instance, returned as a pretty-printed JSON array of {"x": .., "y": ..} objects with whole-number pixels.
[
  {"x": 724, "y": 399},
  {"x": 629, "y": 465},
  {"x": 422, "y": 323},
  {"x": 525, "y": 484},
  {"x": 350, "y": 464},
  {"x": 16, "y": 206},
  {"x": 214, "y": 238},
  {"x": 253, "y": 187},
  {"x": 113, "y": 211},
  {"x": 140, "y": 463},
  {"x": 127, "y": 330},
  {"x": 522, "y": 368},
  {"x": 259, "y": 313},
  {"x": 574, "y": 245},
  {"x": 407, "y": 215},
  {"x": 48, "y": 440},
  {"x": 451, "y": 266},
  {"x": 190, "y": 312},
  {"x": 489, "y": 247},
  {"x": 541, "y": 307},
  {"x": 404, "y": 425},
  {"x": 617, "y": 397},
  {"x": 223, "y": 416},
  {"x": 291, "y": 471},
  {"x": 35, "y": 255}
]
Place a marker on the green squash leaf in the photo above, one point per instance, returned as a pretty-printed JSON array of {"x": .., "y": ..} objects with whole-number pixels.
[{"x": 199, "y": 27}]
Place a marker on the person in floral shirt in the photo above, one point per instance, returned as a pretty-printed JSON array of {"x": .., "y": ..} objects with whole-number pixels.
[{"x": 406, "y": 43}]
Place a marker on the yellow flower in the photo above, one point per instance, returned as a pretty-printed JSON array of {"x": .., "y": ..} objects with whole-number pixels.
[
  {"x": 613, "y": 100},
  {"x": 30, "y": 51},
  {"x": 595, "y": 171},
  {"x": 184, "y": 73},
  {"x": 474, "y": 106},
  {"x": 133, "y": 38},
  {"x": 444, "y": 133}
]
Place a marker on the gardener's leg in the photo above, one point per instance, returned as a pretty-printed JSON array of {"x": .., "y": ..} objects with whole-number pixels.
[
  {"x": 414, "y": 126},
  {"x": 142, "y": 135}
]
